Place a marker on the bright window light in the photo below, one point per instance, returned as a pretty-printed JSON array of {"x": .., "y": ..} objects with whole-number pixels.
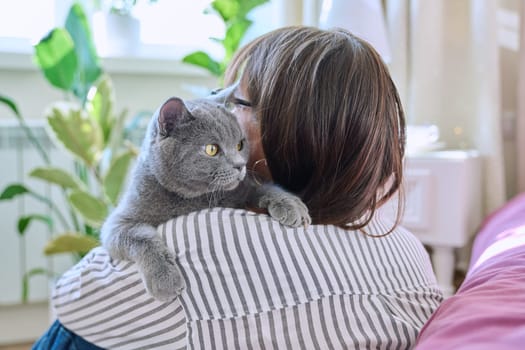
[
  {"x": 26, "y": 19},
  {"x": 177, "y": 22},
  {"x": 168, "y": 28}
]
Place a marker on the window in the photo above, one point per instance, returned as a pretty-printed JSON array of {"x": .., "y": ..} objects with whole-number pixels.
[
  {"x": 168, "y": 29},
  {"x": 23, "y": 22}
]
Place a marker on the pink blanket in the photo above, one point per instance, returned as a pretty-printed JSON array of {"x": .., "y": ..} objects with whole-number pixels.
[{"x": 488, "y": 310}]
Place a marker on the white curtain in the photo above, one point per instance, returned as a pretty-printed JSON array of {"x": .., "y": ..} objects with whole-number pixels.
[
  {"x": 445, "y": 61},
  {"x": 363, "y": 18}
]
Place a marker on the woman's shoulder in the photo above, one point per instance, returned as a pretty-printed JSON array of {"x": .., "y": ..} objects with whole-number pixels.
[
  {"x": 216, "y": 212},
  {"x": 241, "y": 221},
  {"x": 199, "y": 224},
  {"x": 230, "y": 223},
  {"x": 251, "y": 257}
]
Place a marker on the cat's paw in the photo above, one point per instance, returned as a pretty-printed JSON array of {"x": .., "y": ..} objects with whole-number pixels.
[
  {"x": 163, "y": 278},
  {"x": 290, "y": 211}
]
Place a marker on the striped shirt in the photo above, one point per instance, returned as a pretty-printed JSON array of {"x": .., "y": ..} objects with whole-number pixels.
[{"x": 252, "y": 283}]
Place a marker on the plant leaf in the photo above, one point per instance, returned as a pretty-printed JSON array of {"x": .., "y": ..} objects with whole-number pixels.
[
  {"x": 118, "y": 132},
  {"x": 27, "y": 276},
  {"x": 89, "y": 69},
  {"x": 13, "y": 190},
  {"x": 232, "y": 10},
  {"x": 56, "y": 57},
  {"x": 99, "y": 104},
  {"x": 70, "y": 242},
  {"x": 29, "y": 133},
  {"x": 92, "y": 209},
  {"x": 227, "y": 9},
  {"x": 56, "y": 176},
  {"x": 234, "y": 15},
  {"x": 11, "y": 104},
  {"x": 234, "y": 35},
  {"x": 203, "y": 60},
  {"x": 116, "y": 175},
  {"x": 77, "y": 133},
  {"x": 24, "y": 221}
]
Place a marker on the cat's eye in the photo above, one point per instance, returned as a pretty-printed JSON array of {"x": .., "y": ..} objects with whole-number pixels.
[
  {"x": 211, "y": 150},
  {"x": 229, "y": 105},
  {"x": 240, "y": 145}
]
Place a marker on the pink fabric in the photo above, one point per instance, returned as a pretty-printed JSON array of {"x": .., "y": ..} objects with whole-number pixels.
[
  {"x": 488, "y": 311},
  {"x": 508, "y": 217}
]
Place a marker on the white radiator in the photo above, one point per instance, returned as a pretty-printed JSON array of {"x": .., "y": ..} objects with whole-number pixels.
[{"x": 21, "y": 254}]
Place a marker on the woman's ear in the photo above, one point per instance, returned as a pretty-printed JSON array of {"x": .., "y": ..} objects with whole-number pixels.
[{"x": 172, "y": 113}]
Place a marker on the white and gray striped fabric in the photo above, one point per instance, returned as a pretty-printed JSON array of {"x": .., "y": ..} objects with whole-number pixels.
[{"x": 255, "y": 284}]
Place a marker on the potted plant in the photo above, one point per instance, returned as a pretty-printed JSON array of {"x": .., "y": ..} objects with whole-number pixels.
[
  {"x": 87, "y": 127},
  {"x": 117, "y": 30},
  {"x": 234, "y": 14}
]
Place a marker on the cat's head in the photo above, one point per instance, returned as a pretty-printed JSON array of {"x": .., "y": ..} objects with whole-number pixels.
[{"x": 196, "y": 147}]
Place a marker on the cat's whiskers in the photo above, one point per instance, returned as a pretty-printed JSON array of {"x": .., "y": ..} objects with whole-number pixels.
[{"x": 214, "y": 191}]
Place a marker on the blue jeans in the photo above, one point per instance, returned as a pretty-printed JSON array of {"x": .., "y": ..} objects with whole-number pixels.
[{"x": 57, "y": 337}]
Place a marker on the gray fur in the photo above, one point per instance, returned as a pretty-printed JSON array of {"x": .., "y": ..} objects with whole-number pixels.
[{"x": 174, "y": 176}]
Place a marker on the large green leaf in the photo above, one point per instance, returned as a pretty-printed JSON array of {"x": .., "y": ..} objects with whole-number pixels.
[
  {"x": 56, "y": 57},
  {"x": 56, "y": 176},
  {"x": 92, "y": 209},
  {"x": 227, "y": 9},
  {"x": 114, "y": 179},
  {"x": 12, "y": 191},
  {"x": 89, "y": 69},
  {"x": 232, "y": 10},
  {"x": 24, "y": 221},
  {"x": 234, "y": 15},
  {"x": 234, "y": 35},
  {"x": 77, "y": 133},
  {"x": 70, "y": 243},
  {"x": 99, "y": 104},
  {"x": 202, "y": 59}
]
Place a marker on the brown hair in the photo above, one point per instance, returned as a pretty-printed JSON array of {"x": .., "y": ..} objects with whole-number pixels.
[{"x": 332, "y": 125}]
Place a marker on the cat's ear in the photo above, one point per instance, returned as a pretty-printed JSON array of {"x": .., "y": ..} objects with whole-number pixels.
[{"x": 172, "y": 112}]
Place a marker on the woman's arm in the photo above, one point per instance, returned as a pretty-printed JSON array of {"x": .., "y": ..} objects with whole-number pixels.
[{"x": 106, "y": 303}]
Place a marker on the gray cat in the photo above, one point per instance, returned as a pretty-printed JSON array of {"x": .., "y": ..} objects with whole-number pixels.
[{"x": 193, "y": 157}]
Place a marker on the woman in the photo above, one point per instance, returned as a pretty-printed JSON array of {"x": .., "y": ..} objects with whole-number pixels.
[{"x": 324, "y": 121}]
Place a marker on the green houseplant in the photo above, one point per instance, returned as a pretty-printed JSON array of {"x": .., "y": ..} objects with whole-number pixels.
[
  {"x": 234, "y": 14},
  {"x": 86, "y": 126}
]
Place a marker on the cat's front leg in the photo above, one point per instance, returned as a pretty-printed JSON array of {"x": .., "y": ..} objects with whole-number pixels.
[
  {"x": 140, "y": 243},
  {"x": 160, "y": 273},
  {"x": 286, "y": 207}
]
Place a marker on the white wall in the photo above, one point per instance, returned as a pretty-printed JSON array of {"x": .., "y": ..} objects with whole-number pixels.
[{"x": 139, "y": 84}]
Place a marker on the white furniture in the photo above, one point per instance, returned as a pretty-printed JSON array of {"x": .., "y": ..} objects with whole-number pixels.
[{"x": 443, "y": 205}]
